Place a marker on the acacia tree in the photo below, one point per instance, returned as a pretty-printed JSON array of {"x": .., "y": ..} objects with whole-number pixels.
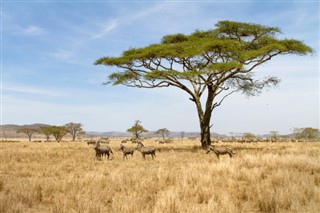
[
  {"x": 74, "y": 129},
  {"x": 274, "y": 134},
  {"x": 46, "y": 130},
  {"x": 28, "y": 131},
  {"x": 208, "y": 65},
  {"x": 182, "y": 134},
  {"x": 307, "y": 133},
  {"x": 137, "y": 129},
  {"x": 163, "y": 132},
  {"x": 248, "y": 135},
  {"x": 58, "y": 132}
]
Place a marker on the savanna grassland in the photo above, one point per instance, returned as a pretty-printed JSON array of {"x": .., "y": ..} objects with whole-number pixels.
[{"x": 66, "y": 177}]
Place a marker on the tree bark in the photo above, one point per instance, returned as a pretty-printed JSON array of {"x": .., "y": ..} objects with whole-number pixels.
[
  {"x": 74, "y": 136},
  {"x": 205, "y": 131},
  {"x": 205, "y": 118}
]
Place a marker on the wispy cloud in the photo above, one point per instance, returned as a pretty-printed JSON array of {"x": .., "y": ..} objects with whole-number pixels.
[
  {"x": 128, "y": 19},
  {"x": 61, "y": 54},
  {"x": 19, "y": 30},
  {"x": 50, "y": 74},
  {"x": 30, "y": 90},
  {"x": 32, "y": 31},
  {"x": 106, "y": 28}
]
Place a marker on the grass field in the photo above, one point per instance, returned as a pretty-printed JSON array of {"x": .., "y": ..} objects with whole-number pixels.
[{"x": 66, "y": 177}]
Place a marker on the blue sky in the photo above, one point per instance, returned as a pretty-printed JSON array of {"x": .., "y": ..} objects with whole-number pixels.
[{"x": 49, "y": 47}]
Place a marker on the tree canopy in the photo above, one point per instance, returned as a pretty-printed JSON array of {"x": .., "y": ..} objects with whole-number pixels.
[
  {"x": 28, "y": 131},
  {"x": 58, "y": 132},
  {"x": 208, "y": 65},
  {"x": 307, "y": 133},
  {"x": 46, "y": 130},
  {"x": 163, "y": 132},
  {"x": 248, "y": 135},
  {"x": 74, "y": 129},
  {"x": 137, "y": 129}
]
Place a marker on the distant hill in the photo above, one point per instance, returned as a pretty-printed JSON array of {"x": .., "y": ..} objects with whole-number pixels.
[
  {"x": 109, "y": 134},
  {"x": 16, "y": 127},
  {"x": 10, "y": 130}
]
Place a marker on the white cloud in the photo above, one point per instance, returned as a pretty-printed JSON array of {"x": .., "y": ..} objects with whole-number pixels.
[
  {"x": 33, "y": 31},
  {"x": 106, "y": 28},
  {"x": 62, "y": 54},
  {"x": 75, "y": 39},
  {"x": 28, "y": 30},
  {"x": 30, "y": 90}
]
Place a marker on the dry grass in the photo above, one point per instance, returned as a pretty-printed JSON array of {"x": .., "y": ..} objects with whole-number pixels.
[{"x": 66, "y": 177}]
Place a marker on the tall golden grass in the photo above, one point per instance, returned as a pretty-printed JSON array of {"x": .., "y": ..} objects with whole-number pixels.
[{"x": 66, "y": 177}]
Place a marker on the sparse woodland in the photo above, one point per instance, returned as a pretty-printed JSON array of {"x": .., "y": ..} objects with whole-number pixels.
[{"x": 66, "y": 177}]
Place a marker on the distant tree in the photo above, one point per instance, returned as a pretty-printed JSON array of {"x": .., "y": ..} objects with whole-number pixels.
[
  {"x": 183, "y": 133},
  {"x": 163, "y": 132},
  {"x": 46, "y": 130},
  {"x": 233, "y": 135},
  {"x": 274, "y": 134},
  {"x": 137, "y": 129},
  {"x": 297, "y": 132},
  {"x": 307, "y": 133},
  {"x": 58, "y": 132},
  {"x": 208, "y": 65},
  {"x": 28, "y": 131},
  {"x": 74, "y": 129},
  {"x": 248, "y": 135},
  {"x": 4, "y": 134}
]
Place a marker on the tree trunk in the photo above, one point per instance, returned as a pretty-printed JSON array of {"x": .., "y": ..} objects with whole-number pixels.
[
  {"x": 29, "y": 136},
  {"x": 205, "y": 131},
  {"x": 205, "y": 118}
]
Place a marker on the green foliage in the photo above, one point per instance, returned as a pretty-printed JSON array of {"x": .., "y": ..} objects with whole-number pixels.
[
  {"x": 137, "y": 129},
  {"x": 248, "y": 135},
  {"x": 173, "y": 39},
  {"x": 307, "y": 133},
  {"x": 231, "y": 47},
  {"x": 274, "y": 134},
  {"x": 28, "y": 131},
  {"x": 237, "y": 29},
  {"x": 74, "y": 129},
  {"x": 216, "y": 62},
  {"x": 163, "y": 132},
  {"x": 46, "y": 130},
  {"x": 252, "y": 88},
  {"x": 58, "y": 132}
]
